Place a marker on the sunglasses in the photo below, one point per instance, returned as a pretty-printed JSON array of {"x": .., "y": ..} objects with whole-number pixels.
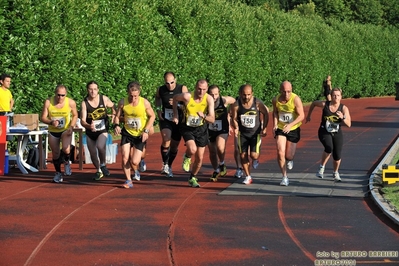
[
  {"x": 169, "y": 83},
  {"x": 61, "y": 95}
]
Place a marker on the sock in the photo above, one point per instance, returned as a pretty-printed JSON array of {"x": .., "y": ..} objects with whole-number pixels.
[
  {"x": 165, "y": 154},
  {"x": 172, "y": 156},
  {"x": 66, "y": 157},
  {"x": 57, "y": 165}
]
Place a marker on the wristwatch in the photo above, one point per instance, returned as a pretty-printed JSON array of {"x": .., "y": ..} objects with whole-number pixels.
[{"x": 146, "y": 131}]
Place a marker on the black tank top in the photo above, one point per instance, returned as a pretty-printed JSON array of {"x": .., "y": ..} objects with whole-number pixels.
[
  {"x": 166, "y": 95},
  {"x": 330, "y": 120},
  {"x": 98, "y": 115},
  {"x": 221, "y": 123},
  {"x": 248, "y": 119}
]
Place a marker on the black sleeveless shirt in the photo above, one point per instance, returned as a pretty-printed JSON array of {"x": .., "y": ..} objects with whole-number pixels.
[
  {"x": 166, "y": 95},
  {"x": 248, "y": 119},
  {"x": 98, "y": 115}
]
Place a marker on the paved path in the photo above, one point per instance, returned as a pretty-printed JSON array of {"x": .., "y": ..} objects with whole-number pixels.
[{"x": 164, "y": 222}]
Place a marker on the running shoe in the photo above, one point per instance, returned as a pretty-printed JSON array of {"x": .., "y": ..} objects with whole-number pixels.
[
  {"x": 67, "y": 168},
  {"x": 336, "y": 177},
  {"x": 238, "y": 173},
  {"x": 128, "y": 184},
  {"x": 58, "y": 178},
  {"x": 186, "y": 163},
  {"x": 214, "y": 176},
  {"x": 285, "y": 181},
  {"x": 170, "y": 174},
  {"x": 247, "y": 181},
  {"x": 143, "y": 166},
  {"x": 136, "y": 175},
  {"x": 223, "y": 170},
  {"x": 255, "y": 164},
  {"x": 193, "y": 182},
  {"x": 290, "y": 165},
  {"x": 105, "y": 170},
  {"x": 165, "y": 169},
  {"x": 98, "y": 176},
  {"x": 320, "y": 173}
]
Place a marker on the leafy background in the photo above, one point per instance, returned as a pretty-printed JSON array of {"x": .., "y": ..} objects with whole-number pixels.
[{"x": 49, "y": 42}]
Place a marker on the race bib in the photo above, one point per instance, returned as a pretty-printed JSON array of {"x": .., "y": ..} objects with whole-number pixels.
[
  {"x": 168, "y": 114},
  {"x": 285, "y": 117},
  {"x": 248, "y": 121},
  {"x": 217, "y": 126},
  {"x": 193, "y": 121},
  {"x": 332, "y": 127},
  {"x": 99, "y": 124},
  {"x": 133, "y": 123},
  {"x": 61, "y": 121}
]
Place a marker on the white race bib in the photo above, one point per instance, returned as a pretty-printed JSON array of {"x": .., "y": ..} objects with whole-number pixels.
[
  {"x": 332, "y": 127},
  {"x": 217, "y": 126},
  {"x": 61, "y": 121},
  {"x": 248, "y": 121},
  {"x": 285, "y": 117},
  {"x": 133, "y": 123},
  {"x": 169, "y": 114},
  {"x": 99, "y": 124},
  {"x": 193, "y": 121}
]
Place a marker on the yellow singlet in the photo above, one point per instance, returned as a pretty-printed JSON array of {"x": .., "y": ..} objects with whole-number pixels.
[
  {"x": 135, "y": 117},
  {"x": 5, "y": 99},
  {"x": 286, "y": 113},
  {"x": 192, "y": 118},
  {"x": 63, "y": 115}
]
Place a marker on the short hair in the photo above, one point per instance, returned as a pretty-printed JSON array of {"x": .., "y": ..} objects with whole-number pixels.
[
  {"x": 169, "y": 73},
  {"x": 4, "y": 76},
  {"x": 336, "y": 89},
  {"x": 134, "y": 85},
  {"x": 213, "y": 86},
  {"x": 201, "y": 81},
  {"x": 91, "y": 82},
  {"x": 59, "y": 86},
  {"x": 243, "y": 86}
]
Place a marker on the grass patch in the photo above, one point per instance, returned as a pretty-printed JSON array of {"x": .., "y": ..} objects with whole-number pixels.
[{"x": 391, "y": 193}]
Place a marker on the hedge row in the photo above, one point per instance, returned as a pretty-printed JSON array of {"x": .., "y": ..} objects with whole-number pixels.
[{"x": 49, "y": 42}]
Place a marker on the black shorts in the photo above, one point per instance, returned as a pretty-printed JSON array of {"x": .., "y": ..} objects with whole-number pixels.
[
  {"x": 136, "y": 142},
  {"x": 94, "y": 135},
  {"x": 172, "y": 127},
  {"x": 56, "y": 134},
  {"x": 214, "y": 134},
  {"x": 293, "y": 136},
  {"x": 251, "y": 141},
  {"x": 198, "y": 134}
]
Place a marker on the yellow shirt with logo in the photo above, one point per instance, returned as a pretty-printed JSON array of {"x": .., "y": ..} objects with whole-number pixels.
[
  {"x": 192, "y": 118},
  {"x": 63, "y": 115},
  {"x": 5, "y": 100},
  {"x": 286, "y": 113},
  {"x": 135, "y": 117}
]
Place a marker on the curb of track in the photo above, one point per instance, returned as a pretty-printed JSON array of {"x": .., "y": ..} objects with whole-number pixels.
[{"x": 376, "y": 177}]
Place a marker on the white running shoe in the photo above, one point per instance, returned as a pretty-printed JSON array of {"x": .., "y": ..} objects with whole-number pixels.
[
  {"x": 67, "y": 168},
  {"x": 136, "y": 175},
  {"x": 255, "y": 164},
  {"x": 247, "y": 181},
  {"x": 320, "y": 173},
  {"x": 290, "y": 165},
  {"x": 170, "y": 174},
  {"x": 285, "y": 181},
  {"x": 238, "y": 173},
  {"x": 336, "y": 177},
  {"x": 58, "y": 177},
  {"x": 142, "y": 166},
  {"x": 165, "y": 169}
]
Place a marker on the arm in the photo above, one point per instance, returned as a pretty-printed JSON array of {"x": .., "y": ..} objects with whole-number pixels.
[
  {"x": 275, "y": 114},
  {"x": 210, "y": 117},
  {"x": 182, "y": 97},
  {"x": 11, "y": 103},
  {"x": 150, "y": 121},
  {"x": 44, "y": 117},
  {"x": 265, "y": 115},
  {"x": 74, "y": 110},
  {"x": 117, "y": 127},
  {"x": 312, "y": 106},
  {"x": 83, "y": 115},
  {"x": 111, "y": 105},
  {"x": 158, "y": 105},
  {"x": 348, "y": 120},
  {"x": 233, "y": 113}
]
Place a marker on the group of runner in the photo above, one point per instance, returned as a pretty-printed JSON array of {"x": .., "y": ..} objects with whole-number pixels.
[{"x": 202, "y": 118}]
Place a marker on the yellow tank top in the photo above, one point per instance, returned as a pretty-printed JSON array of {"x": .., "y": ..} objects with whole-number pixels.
[
  {"x": 192, "y": 118},
  {"x": 63, "y": 115},
  {"x": 286, "y": 113},
  {"x": 135, "y": 117},
  {"x": 5, "y": 99}
]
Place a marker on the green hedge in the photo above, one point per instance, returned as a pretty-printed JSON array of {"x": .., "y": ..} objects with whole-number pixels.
[{"x": 48, "y": 42}]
